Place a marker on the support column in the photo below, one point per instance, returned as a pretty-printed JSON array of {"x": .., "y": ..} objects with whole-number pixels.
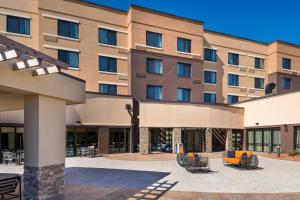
[
  {"x": 208, "y": 139},
  {"x": 44, "y": 147},
  {"x": 144, "y": 141},
  {"x": 245, "y": 140},
  {"x": 228, "y": 139},
  {"x": 176, "y": 137},
  {"x": 103, "y": 140}
]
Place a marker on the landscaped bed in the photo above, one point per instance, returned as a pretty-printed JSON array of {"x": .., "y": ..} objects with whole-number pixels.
[{"x": 283, "y": 156}]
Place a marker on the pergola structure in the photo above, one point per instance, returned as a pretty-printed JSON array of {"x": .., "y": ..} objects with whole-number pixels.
[{"x": 33, "y": 81}]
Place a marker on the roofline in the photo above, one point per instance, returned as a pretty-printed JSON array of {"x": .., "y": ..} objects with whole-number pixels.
[
  {"x": 234, "y": 36},
  {"x": 286, "y": 43},
  {"x": 87, "y": 2}
]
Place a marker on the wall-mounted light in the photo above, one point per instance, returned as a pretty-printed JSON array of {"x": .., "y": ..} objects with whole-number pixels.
[
  {"x": 256, "y": 123},
  {"x": 128, "y": 107}
]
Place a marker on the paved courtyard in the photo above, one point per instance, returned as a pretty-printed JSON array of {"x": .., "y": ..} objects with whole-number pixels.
[{"x": 107, "y": 178}]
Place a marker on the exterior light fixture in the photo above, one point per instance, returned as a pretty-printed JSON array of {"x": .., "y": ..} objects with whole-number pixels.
[
  {"x": 33, "y": 62},
  {"x": 52, "y": 69},
  {"x": 256, "y": 123},
  {"x": 39, "y": 72},
  {"x": 19, "y": 65},
  {"x": 10, "y": 54},
  {"x": 1, "y": 57}
]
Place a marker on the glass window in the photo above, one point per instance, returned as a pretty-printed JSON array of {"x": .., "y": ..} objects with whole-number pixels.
[
  {"x": 69, "y": 57},
  {"x": 267, "y": 140},
  {"x": 259, "y": 63},
  {"x": 184, "y": 70},
  {"x": 276, "y": 139},
  {"x": 286, "y": 83},
  {"x": 183, "y": 95},
  {"x": 108, "y": 89},
  {"x": 154, "y": 92},
  {"x": 210, "y": 55},
  {"x": 258, "y": 140},
  {"x": 250, "y": 142},
  {"x": 18, "y": 25},
  {"x": 259, "y": 83},
  {"x": 286, "y": 63},
  {"x": 209, "y": 98},
  {"x": 210, "y": 77},
  {"x": 233, "y": 79},
  {"x": 154, "y": 66},
  {"x": 184, "y": 45},
  {"x": 232, "y": 99},
  {"x": 107, "y": 36},
  {"x": 233, "y": 59},
  {"x": 68, "y": 29},
  {"x": 297, "y": 147},
  {"x": 154, "y": 39},
  {"x": 107, "y": 64}
]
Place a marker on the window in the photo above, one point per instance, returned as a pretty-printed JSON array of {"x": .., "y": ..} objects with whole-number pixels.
[
  {"x": 184, "y": 45},
  {"x": 154, "y": 92},
  {"x": 210, "y": 77},
  {"x": 297, "y": 138},
  {"x": 107, "y": 37},
  {"x": 184, "y": 70},
  {"x": 107, "y": 89},
  {"x": 264, "y": 140},
  {"x": 286, "y": 63},
  {"x": 18, "y": 25},
  {"x": 68, "y": 29},
  {"x": 183, "y": 95},
  {"x": 233, "y": 59},
  {"x": 259, "y": 63},
  {"x": 154, "y": 66},
  {"x": 233, "y": 80},
  {"x": 286, "y": 83},
  {"x": 209, "y": 98},
  {"x": 153, "y": 39},
  {"x": 69, "y": 57},
  {"x": 107, "y": 64},
  {"x": 232, "y": 99},
  {"x": 210, "y": 55},
  {"x": 259, "y": 83}
]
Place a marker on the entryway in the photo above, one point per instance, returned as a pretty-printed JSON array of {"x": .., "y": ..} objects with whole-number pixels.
[{"x": 193, "y": 140}]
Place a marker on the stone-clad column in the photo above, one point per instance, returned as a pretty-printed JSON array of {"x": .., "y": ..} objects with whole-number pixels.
[
  {"x": 245, "y": 140},
  {"x": 44, "y": 147},
  {"x": 176, "y": 137},
  {"x": 228, "y": 139},
  {"x": 103, "y": 140},
  {"x": 144, "y": 140},
  {"x": 208, "y": 138}
]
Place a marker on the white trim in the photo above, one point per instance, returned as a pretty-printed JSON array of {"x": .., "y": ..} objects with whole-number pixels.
[
  {"x": 113, "y": 29},
  {"x": 262, "y": 70},
  {"x": 237, "y": 52},
  {"x": 112, "y": 46},
  {"x": 230, "y": 65},
  {"x": 74, "y": 68},
  {"x": 258, "y": 89},
  {"x": 237, "y": 87},
  {"x": 113, "y": 83},
  {"x": 253, "y": 96},
  {"x": 15, "y": 34},
  {"x": 14, "y": 14},
  {"x": 112, "y": 73},
  {"x": 149, "y": 47},
  {"x": 207, "y": 61},
  {"x": 233, "y": 73},
  {"x": 256, "y": 56},
  {"x": 113, "y": 56},
  {"x": 186, "y": 53},
  {"x": 61, "y": 37},
  {"x": 210, "y": 70},
  {"x": 60, "y": 48},
  {"x": 209, "y": 92},
  {"x": 213, "y": 48},
  {"x": 234, "y": 94},
  {"x": 290, "y": 70},
  {"x": 255, "y": 76},
  {"x": 214, "y": 84},
  {"x": 60, "y": 18}
]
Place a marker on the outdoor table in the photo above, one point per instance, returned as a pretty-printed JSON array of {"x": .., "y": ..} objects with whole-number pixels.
[
  {"x": 93, "y": 152},
  {"x": 19, "y": 157}
]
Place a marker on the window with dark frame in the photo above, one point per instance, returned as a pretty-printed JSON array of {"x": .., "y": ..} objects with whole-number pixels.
[
  {"x": 154, "y": 39},
  {"x": 184, "y": 70},
  {"x": 69, "y": 57},
  {"x": 68, "y": 29},
  {"x": 18, "y": 25},
  {"x": 259, "y": 63},
  {"x": 233, "y": 58},
  {"x": 154, "y": 92},
  {"x": 183, "y": 95},
  {"x": 107, "y": 64},
  {"x": 184, "y": 45},
  {"x": 107, "y": 36},
  {"x": 210, "y": 55},
  {"x": 154, "y": 66},
  {"x": 107, "y": 89},
  {"x": 286, "y": 63}
]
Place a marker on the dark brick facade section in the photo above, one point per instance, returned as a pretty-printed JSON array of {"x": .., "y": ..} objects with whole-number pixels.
[
  {"x": 287, "y": 135},
  {"x": 103, "y": 140},
  {"x": 277, "y": 79},
  {"x": 43, "y": 182},
  {"x": 168, "y": 79}
]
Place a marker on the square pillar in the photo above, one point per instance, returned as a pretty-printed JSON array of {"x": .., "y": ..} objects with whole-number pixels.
[
  {"x": 176, "y": 137},
  {"x": 208, "y": 140},
  {"x": 287, "y": 138},
  {"x": 228, "y": 139},
  {"x": 144, "y": 140},
  {"x": 44, "y": 147},
  {"x": 103, "y": 140},
  {"x": 245, "y": 138}
]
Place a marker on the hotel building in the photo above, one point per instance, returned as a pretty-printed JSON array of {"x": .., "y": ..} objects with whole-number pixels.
[{"x": 154, "y": 79}]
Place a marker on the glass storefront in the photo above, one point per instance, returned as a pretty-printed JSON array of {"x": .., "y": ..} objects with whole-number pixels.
[
  {"x": 119, "y": 140},
  {"x": 297, "y": 139},
  {"x": 263, "y": 140},
  {"x": 237, "y": 139},
  {"x": 193, "y": 140},
  {"x": 11, "y": 138},
  {"x": 161, "y": 139}
]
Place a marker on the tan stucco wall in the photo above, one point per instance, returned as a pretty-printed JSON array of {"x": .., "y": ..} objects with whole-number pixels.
[
  {"x": 277, "y": 110},
  {"x": 186, "y": 115}
]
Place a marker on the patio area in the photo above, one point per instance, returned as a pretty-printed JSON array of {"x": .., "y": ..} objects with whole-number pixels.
[{"x": 108, "y": 178}]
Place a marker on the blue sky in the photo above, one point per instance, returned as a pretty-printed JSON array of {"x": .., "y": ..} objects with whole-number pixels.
[{"x": 262, "y": 20}]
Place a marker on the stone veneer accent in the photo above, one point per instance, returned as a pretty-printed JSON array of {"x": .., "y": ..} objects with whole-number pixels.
[
  {"x": 103, "y": 140},
  {"x": 208, "y": 138},
  {"x": 144, "y": 140},
  {"x": 228, "y": 139},
  {"x": 43, "y": 182},
  {"x": 176, "y": 138}
]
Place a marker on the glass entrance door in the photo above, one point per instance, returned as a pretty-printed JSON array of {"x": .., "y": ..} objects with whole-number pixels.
[
  {"x": 118, "y": 140},
  {"x": 193, "y": 140},
  {"x": 237, "y": 139}
]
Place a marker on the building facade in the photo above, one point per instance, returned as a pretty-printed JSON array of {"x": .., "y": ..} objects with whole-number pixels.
[{"x": 142, "y": 58}]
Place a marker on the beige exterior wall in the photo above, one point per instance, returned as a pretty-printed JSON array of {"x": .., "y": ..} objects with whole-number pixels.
[
  {"x": 190, "y": 116},
  {"x": 272, "y": 111}
]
